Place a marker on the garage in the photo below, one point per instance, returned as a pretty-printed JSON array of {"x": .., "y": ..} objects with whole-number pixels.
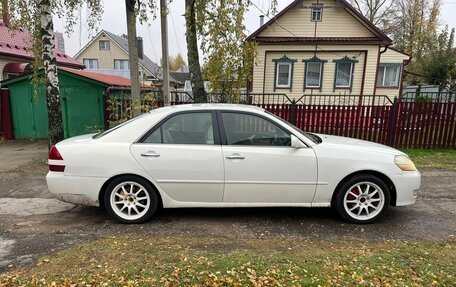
[{"x": 83, "y": 103}]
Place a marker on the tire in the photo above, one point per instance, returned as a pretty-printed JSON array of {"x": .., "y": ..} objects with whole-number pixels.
[
  {"x": 130, "y": 200},
  {"x": 362, "y": 199}
]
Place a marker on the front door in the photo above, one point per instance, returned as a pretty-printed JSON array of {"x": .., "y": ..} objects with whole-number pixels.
[
  {"x": 184, "y": 157},
  {"x": 260, "y": 164}
]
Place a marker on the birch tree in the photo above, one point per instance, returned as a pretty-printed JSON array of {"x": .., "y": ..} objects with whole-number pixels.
[{"x": 50, "y": 70}]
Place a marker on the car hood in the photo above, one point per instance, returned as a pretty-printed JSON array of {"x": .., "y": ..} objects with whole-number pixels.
[{"x": 358, "y": 144}]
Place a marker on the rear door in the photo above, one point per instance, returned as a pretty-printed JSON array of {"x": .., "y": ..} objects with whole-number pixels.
[
  {"x": 183, "y": 154},
  {"x": 260, "y": 164}
]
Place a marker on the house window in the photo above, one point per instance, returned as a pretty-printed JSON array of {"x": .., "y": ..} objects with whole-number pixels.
[
  {"x": 91, "y": 63},
  {"x": 313, "y": 74},
  {"x": 121, "y": 65},
  {"x": 316, "y": 13},
  {"x": 283, "y": 77},
  {"x": 105, "y": 45},
  {"x": 388, "y": 75},
  {"x": 343, "y": 77}
]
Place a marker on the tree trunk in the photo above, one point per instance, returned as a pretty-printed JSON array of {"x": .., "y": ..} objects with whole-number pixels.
[
  {"x": 199, "y": 94},
  {"x": 133, "y": 57},
  {"x": 50, "y": 71}
]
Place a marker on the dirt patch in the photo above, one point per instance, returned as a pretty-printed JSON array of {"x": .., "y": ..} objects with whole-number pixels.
[{"x": 14, "y": 154}]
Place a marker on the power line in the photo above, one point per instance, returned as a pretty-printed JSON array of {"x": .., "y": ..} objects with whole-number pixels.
[
  {"x": 152, "y": 44},
  {"x": 175, "y": 33}
]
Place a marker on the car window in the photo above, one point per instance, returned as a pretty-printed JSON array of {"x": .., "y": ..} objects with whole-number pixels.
[
  {"x": 246, "y": 129},
  {"x": 313, "y": 137},
  {"x": 102, "y": 134},
  {"x": 189, "y": 128},
  {"x": 155, "y": 137}
]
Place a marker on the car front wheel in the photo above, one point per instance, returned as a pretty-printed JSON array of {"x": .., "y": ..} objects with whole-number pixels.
[
  {"x": 130, "y": 199},
  {"x": 362, "y": 199}
]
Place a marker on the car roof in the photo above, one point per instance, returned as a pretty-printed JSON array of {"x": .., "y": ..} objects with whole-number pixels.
[{"x": 189, "y": 107}]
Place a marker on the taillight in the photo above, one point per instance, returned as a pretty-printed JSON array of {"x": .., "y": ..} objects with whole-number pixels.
[
  {"x": 54, "y": 154},
  {"x": 55, "y": 160}
]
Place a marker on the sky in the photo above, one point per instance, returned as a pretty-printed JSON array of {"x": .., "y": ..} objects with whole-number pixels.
[{"x": 114, "y": 20}]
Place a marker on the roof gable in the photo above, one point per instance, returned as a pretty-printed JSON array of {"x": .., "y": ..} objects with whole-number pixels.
[
  {"x": 121, "y": 42},
  {"x": 340, "y": 20}
]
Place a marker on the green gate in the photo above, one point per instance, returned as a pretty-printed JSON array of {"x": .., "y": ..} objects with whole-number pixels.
[{"x": 82, "y": 102}]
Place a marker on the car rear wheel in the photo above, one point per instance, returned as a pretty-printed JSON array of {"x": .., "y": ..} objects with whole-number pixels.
[
  {"x": 362, "y": 199},
  {"x": 130, "y": 199}
]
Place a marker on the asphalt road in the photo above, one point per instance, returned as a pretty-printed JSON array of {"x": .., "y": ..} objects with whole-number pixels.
[{"x": 25, "y": 237}]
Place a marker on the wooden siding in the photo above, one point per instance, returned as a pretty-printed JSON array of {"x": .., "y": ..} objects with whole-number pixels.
[
  {"x": 336, "y": 22},
  {"x": 391, "y": 56},
  {"x": 324, "y": 52}
]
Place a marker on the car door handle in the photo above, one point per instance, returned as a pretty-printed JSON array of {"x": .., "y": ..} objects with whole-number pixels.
[
  {"x": 235, "y": 156},
  {"x": 150, "y": 154}
]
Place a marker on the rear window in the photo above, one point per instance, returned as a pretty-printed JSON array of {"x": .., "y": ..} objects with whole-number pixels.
[{"x": 102, "y": 134}]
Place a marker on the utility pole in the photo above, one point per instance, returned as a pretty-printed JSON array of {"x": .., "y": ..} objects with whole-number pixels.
[
  {"x": 133, "y": 57},
  {"x": 165, "y": 56}
]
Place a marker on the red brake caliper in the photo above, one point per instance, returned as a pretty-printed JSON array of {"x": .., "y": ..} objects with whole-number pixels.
[{"x": 351, "y": 196}]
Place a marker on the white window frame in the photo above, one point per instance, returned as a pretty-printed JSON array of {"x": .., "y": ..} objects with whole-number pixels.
[
  {"x": 316, "y": 10},
  {"x": 122, "y": 60},
  {"x": 350, "y": 79},
  {"x": 398, "y": 75},
  {"x": 288, "y": 85},
  {"x": 89, "y": 60},
  {"x": 105, "y": 47},
  {"x": 320, "y": 75}
]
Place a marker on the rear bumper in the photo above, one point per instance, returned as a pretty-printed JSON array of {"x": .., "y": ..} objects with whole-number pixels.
[
  {"x": 75, "y": 189},
  {"x": 407, "y": 186}
]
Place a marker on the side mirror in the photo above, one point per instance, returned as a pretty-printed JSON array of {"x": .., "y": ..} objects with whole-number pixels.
[{"x": 296, "y": 143}]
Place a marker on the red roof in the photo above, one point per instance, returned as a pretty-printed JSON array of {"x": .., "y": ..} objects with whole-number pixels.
[
  {"x": 110, "y": 80},
  {"x": 18, "y": 44}
]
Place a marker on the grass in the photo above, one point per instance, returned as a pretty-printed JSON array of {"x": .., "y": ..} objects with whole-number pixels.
[
  {"x": 435, "y": 158},
  {"x": 180, "y": 261}
]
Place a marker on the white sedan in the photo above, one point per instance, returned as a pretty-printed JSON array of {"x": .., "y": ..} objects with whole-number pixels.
[{"x": 221, "y": 155}]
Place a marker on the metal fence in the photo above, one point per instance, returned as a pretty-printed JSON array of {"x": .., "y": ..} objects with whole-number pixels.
[{"x": 424, "y": 120}]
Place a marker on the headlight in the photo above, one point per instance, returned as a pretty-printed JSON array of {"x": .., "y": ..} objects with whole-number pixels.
[{"x": 404, "y": 163}]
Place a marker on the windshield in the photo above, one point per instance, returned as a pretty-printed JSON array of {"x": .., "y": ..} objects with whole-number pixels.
[
  {"x": 102, "y": 134},
  {"x": 313, "y": 137}
]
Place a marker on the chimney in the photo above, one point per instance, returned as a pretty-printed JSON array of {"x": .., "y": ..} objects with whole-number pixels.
[
  {"x": 139, "y": 43},
  {"x": 5, "y": 15},
  {"x": 261, "y": 20}
]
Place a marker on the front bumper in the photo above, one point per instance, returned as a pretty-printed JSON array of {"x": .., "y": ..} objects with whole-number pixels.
[
  {"x": 407, "y": 185},
  {"x": 75, "y": 189}
]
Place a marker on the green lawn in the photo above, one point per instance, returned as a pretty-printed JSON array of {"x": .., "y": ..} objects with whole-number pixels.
[
  {"x": 179, "y": 261},
  {"x": 434, "y": 158}
]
